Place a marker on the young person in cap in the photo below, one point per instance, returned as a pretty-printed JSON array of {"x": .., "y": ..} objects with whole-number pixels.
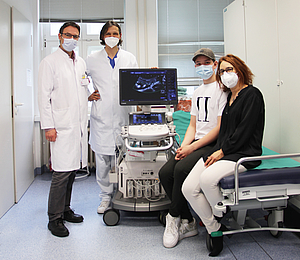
[{"x": 208, "y": 102}]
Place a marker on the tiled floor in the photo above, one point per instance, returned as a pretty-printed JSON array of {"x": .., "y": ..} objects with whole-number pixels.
[{"x": 24, "y": 233}]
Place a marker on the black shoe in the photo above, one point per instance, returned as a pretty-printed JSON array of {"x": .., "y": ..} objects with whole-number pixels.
[
  {"x": 58, "y": 228},
  {"x": 217, "y": 245},
  {"x": 70, "y": 216},
  {"x": 217, "y": 242}
]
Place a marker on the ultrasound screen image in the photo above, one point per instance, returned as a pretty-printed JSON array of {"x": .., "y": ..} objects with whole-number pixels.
[{"x": 148, "y": 86}]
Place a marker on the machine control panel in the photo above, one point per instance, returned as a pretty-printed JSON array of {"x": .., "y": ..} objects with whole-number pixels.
[{"x": 148, "y": 132}]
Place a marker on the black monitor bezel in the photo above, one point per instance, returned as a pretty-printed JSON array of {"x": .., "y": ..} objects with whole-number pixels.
[{"x": 143, "y": 102}]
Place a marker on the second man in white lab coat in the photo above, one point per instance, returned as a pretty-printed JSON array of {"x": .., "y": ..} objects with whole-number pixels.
[{"x": 107, "y": 116}]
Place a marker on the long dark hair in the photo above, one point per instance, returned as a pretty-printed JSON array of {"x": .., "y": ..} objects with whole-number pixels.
[{"x": 105, "y": 28}]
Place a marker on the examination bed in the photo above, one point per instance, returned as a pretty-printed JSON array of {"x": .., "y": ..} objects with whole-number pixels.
[{"x": 268, "y": 187}]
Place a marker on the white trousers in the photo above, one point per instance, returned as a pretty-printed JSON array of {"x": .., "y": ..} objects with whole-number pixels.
[
  {"x": 104, "y": 163},
  {"x": 202, "y": 191}
]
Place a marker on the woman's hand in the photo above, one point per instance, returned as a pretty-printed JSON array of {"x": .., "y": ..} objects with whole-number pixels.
[
  {"x": 216, "y": 156},
  {"x": 94, "y": 96}
]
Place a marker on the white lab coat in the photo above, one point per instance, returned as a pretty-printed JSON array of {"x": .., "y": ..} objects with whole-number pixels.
[
  {"x": 63, "y": 105},
  {"x": 107, "y": 116}
]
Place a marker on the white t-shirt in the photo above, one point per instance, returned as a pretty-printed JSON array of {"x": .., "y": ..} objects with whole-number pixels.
[{"x": 208, "y": 103}]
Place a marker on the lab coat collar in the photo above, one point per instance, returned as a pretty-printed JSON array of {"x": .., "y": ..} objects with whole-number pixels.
[{"x": 66, "y": 55}]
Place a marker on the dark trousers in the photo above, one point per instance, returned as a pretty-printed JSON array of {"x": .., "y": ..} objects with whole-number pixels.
[
  {"x": 60, "y": 194},
  {"x": 172, "y": 176}
]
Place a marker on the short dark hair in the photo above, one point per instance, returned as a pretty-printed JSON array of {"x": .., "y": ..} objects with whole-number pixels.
[
  {"x": 105, "y": 28},
  {"x": 70, "y": 23},
  {"x": 243, "y": 71}
]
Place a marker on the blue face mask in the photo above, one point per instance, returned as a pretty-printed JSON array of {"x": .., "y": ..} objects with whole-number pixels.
[{"x": 205, "y": 71}]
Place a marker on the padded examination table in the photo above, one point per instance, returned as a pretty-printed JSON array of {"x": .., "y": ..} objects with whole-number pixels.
[{"x": 271, "y": 172}]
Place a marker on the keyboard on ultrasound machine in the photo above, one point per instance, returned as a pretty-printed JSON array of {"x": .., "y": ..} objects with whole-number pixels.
[{"x": 148, "y": 132}]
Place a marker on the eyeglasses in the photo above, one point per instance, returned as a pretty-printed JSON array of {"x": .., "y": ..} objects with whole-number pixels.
[
  {"x": 69, "y": 36},
  {"x": 228, "y": 69}
]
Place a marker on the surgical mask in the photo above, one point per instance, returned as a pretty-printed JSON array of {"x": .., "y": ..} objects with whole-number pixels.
[
  {"x": 111, "y": 41},
  {"x": 69, "y": 44},
  {"x": 229, "y": 79},
  {"x": 205, "y": 71}
]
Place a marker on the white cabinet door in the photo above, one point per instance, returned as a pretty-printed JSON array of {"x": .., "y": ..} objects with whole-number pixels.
[
  {"x": 250, "y": 32},
  {"x": 6, "y": 143},
  {"x": 262, "y": 58},
  {"x": 234, "y": 29},
  {"x": 289, "y": 56},
  {"x": 22, "y": 64}
]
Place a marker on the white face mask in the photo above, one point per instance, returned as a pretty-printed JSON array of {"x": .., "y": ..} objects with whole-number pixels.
[
  {"x": 205, "y": 71},
  {"x": 111, "y": 41},
  {"x": 229, "y": 79},
  {"x": 69, "y": 44}
]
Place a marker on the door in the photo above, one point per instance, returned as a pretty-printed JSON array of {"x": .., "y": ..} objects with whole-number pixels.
[
  {"x": 262, "y": 58},
  {"x": 288, "y": 40},
  {"x": 250, "y": 32},
  {"x": 23, "y": 116},
  {"x": 6, "y": 143},
  {"x": 234, "y": 29}
]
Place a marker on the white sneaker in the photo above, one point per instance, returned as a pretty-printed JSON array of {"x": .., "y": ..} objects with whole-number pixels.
[
  {"x": 103, "y": 206},
  {"x": 171, "y": 234},
  {"x": 187, "y": 229}
]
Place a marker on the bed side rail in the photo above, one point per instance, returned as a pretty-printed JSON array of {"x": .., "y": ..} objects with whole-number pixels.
[{"x": 255, "y": 158}]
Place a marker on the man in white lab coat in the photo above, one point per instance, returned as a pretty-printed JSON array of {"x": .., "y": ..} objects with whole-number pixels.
[
  {"x": 63, "y": 108},
  {"x": 107, "y": 116}
]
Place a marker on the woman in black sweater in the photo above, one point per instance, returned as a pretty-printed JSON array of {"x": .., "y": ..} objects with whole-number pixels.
[{"x": 240, "y": 135}]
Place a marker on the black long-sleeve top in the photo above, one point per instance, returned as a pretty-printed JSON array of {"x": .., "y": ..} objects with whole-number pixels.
[{"x": 242, "y": 127}]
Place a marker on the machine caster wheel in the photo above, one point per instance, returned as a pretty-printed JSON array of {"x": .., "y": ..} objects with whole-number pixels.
[
  {"x": 209, "y": 244},
  {"x": 162, "y": 217},
  {"x": 111, "y": 217},
  {"x": 275, "y": 233}
]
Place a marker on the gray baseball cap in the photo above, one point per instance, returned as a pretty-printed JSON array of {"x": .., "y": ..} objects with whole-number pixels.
[{"x": 205, "y": 52}]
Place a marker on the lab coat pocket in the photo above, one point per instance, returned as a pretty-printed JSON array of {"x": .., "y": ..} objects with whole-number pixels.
[
  {"x": 62, "y": 118},
  {"x": 96, "y": 109}
]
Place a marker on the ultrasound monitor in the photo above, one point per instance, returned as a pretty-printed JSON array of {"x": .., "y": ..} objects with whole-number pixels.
[{"x": 146, "y": 87}]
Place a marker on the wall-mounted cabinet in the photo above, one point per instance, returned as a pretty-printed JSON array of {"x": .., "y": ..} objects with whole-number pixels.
[{"x": 265, "y": 35}]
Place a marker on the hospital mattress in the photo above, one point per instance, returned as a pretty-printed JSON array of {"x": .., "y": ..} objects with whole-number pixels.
[
  {"x": 269, "y": 187},
  {"x": 270, "y": 172},
  {"x": 273, "y": 177}
]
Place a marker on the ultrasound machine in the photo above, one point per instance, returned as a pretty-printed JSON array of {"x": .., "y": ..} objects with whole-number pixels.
[{"x": 148, "y": 140}]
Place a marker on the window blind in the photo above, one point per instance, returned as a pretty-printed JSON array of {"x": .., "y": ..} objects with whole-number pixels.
[{"x": 85, "y": 11}]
